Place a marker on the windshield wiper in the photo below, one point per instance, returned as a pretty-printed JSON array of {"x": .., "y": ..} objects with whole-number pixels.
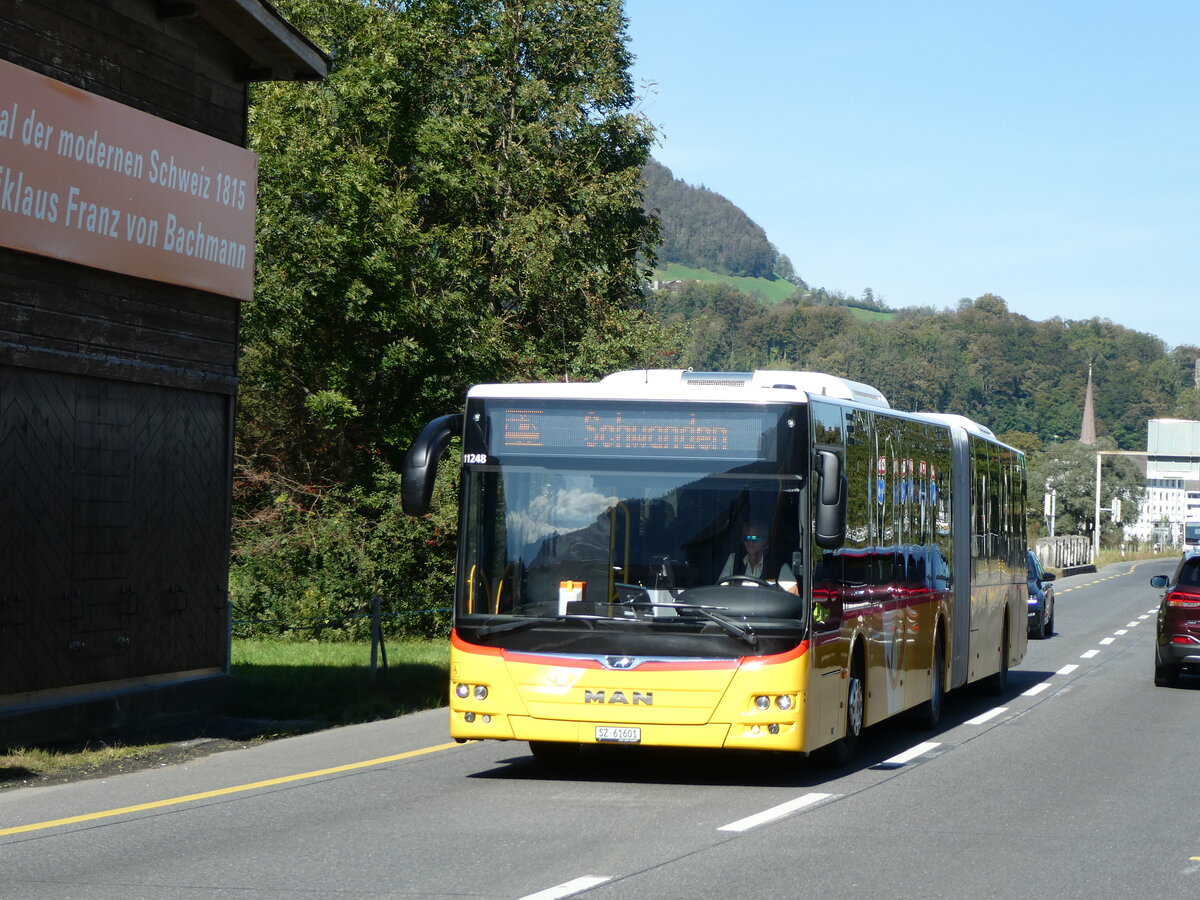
[
  {"x": 741, "y": 633},
  {"x": 522, "y": 624}
]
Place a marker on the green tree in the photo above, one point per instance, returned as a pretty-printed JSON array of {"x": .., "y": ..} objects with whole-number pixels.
[
  {"x": 459, "y": 201},
  {"x": 1069, "y": 468},
  {"x": 1024, "y": 441}
]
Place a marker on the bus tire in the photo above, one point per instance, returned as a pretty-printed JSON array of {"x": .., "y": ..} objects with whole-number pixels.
[
  {"x": 929, "y": 713},
  {"x": 841, "y": 751},
  {"x": 997, "y": 683}
]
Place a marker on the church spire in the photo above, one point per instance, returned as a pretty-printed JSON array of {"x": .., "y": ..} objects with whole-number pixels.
[{"x": 1087, "y": 434}]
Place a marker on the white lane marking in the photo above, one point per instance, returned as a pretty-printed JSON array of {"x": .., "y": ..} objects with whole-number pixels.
[
  {"x": 990, "y": 714},
  {"x": 1150, "y": 612},
  {"x": 1107, "y": 640},
  {"x": 911, "y": 753},
  {"x": 1133, "y": 624},
  {"x": 1089, "y": 654},
  {"x": 775, "y": 812},
  {"x": 1067, "y": 670},
  {"x": 569, "y": 888},
  {"x": 1036, "y": 689}
]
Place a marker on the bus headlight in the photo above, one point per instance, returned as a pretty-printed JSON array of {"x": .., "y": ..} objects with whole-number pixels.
[
  {"x": 478, "y": 691},
  {"x": 784, "y": 702},
  {"x": 762, "y": 702}
]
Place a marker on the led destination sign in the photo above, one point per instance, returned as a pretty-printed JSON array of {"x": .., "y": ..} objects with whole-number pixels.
[{"x": 710, "y": 432}]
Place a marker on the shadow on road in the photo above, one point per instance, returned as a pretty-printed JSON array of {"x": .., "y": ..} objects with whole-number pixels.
[{"x": 663, "y": 765}]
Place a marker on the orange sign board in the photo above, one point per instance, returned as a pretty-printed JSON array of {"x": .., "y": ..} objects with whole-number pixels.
[{"x": 86, "y": 179}]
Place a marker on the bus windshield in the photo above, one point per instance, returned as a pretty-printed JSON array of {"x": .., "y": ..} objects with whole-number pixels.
[
  {"x": 647, "y": 542},
  {"x": 1191, "y": 534}
]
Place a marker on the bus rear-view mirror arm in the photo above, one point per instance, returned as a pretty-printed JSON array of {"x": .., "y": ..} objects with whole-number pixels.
[{"x": 420, "y": 463}]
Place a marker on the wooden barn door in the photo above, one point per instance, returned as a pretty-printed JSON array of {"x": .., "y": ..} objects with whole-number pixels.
[{"x": 114, "y": 529}]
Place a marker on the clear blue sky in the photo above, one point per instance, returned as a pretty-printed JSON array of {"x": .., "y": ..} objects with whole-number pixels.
[{"x": 1043, "y": 151}]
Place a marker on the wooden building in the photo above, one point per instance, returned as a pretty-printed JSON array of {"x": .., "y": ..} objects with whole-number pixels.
[{"x": 119, "y": 349}]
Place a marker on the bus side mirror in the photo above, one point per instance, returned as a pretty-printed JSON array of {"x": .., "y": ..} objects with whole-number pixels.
[
  {"x": 420, "y": 463},
  {"x": 830, "y": 532}
]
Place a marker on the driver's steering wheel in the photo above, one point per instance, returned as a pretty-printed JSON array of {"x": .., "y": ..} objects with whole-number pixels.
[{"x": 730, "y": 579}]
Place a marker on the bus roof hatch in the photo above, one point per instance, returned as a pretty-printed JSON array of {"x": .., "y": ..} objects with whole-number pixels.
[{"x": 815, "y": 383}]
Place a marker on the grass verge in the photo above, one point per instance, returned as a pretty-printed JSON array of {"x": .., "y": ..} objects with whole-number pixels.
[
  {"x": 279, "y": 687},
  {"x": 332, "y": 683},
  {"x": 1110, "y": 555}
]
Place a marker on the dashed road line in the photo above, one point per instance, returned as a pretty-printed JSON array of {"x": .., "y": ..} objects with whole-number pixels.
[
  {"x": 569, "y": 888},
  {"x": 776, "y": 812},
  {"x": 987, "y": 716},
  {"x": 902, "y": 759}
]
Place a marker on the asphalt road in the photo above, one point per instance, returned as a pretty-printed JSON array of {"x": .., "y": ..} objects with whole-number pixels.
[{"x": 1075, "y": 783}]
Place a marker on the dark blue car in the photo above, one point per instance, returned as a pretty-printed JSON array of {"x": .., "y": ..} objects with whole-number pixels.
[{"x": 1041, "y": 598}]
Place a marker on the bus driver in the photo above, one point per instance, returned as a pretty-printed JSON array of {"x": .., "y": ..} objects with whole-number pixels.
[{"x": 754, "y": 561}]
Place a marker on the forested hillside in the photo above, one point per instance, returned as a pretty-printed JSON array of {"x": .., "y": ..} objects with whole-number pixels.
[
  {"x": 700, "y": 229},
  {"x": 704, "y": 230},
  {"x": 980, "y": 360},
  {"x": 1019, "y": 376}
]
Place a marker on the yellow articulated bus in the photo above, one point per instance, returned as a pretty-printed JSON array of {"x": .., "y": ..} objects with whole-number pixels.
[{"x": 767, "y": 560}]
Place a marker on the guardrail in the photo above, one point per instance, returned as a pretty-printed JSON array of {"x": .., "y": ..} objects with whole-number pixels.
[{"x": 1065, "y": 553}]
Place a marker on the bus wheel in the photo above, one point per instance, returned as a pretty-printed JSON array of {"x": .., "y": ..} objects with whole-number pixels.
[
  {"x": 554, "y": 754},
  {"x": 842, "y": 751},
  {"x": 997, "y": 684},
  {"x": 929, "y": 713}
]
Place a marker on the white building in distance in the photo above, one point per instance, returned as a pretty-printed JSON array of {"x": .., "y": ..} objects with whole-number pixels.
[{"x": 1172, "y": 482}]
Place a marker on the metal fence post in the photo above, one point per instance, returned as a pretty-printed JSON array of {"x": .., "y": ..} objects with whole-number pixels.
[{"x": 376, "y": 634}]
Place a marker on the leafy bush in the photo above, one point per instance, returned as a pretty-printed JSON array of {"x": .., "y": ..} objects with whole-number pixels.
[{"x": 307, "y": 561}]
